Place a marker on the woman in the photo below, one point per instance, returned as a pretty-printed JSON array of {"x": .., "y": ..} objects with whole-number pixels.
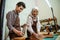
[{"x": 34, "y": 25}]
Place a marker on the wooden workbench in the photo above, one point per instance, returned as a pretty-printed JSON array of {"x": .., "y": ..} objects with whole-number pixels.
[{"x": 32, "y": 37}]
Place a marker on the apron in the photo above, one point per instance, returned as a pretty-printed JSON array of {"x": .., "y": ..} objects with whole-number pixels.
[{"x": 34, "y": 29}]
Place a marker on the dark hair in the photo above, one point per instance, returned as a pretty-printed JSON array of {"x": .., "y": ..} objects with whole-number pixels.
[{"x": 21, "y": 4}]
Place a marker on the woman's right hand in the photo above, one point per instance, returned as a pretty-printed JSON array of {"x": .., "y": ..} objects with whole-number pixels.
[{"x": 35, "y": 34}]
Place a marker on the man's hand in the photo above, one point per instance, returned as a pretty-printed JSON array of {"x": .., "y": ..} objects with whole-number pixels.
[{"x": 19, "y": 33}]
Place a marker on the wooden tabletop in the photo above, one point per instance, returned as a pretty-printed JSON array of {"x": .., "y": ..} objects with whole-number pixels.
[
  {"x": 19, "y": 38},
  {"x": 23, "y": 38}
]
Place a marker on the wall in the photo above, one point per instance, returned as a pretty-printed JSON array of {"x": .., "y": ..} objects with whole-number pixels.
[{"x": 44, "y": 10}]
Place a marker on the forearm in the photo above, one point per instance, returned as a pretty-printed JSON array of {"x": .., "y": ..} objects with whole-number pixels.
[
  {"x": 30, "y": 30},
  {"x": 15, "y": 31},
  {"x": 39, "y": 26}
]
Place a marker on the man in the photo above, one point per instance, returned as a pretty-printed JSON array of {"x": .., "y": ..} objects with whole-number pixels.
[
  {"x": 13, "y": 21},
  {"x": 33, "y": 24}
]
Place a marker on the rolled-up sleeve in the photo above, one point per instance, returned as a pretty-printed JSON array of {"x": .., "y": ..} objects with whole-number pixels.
[
  {"x": 38, "y": 25},
  {"x": 29, "y": 20},
  {"x": 9, "y": 21}
]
